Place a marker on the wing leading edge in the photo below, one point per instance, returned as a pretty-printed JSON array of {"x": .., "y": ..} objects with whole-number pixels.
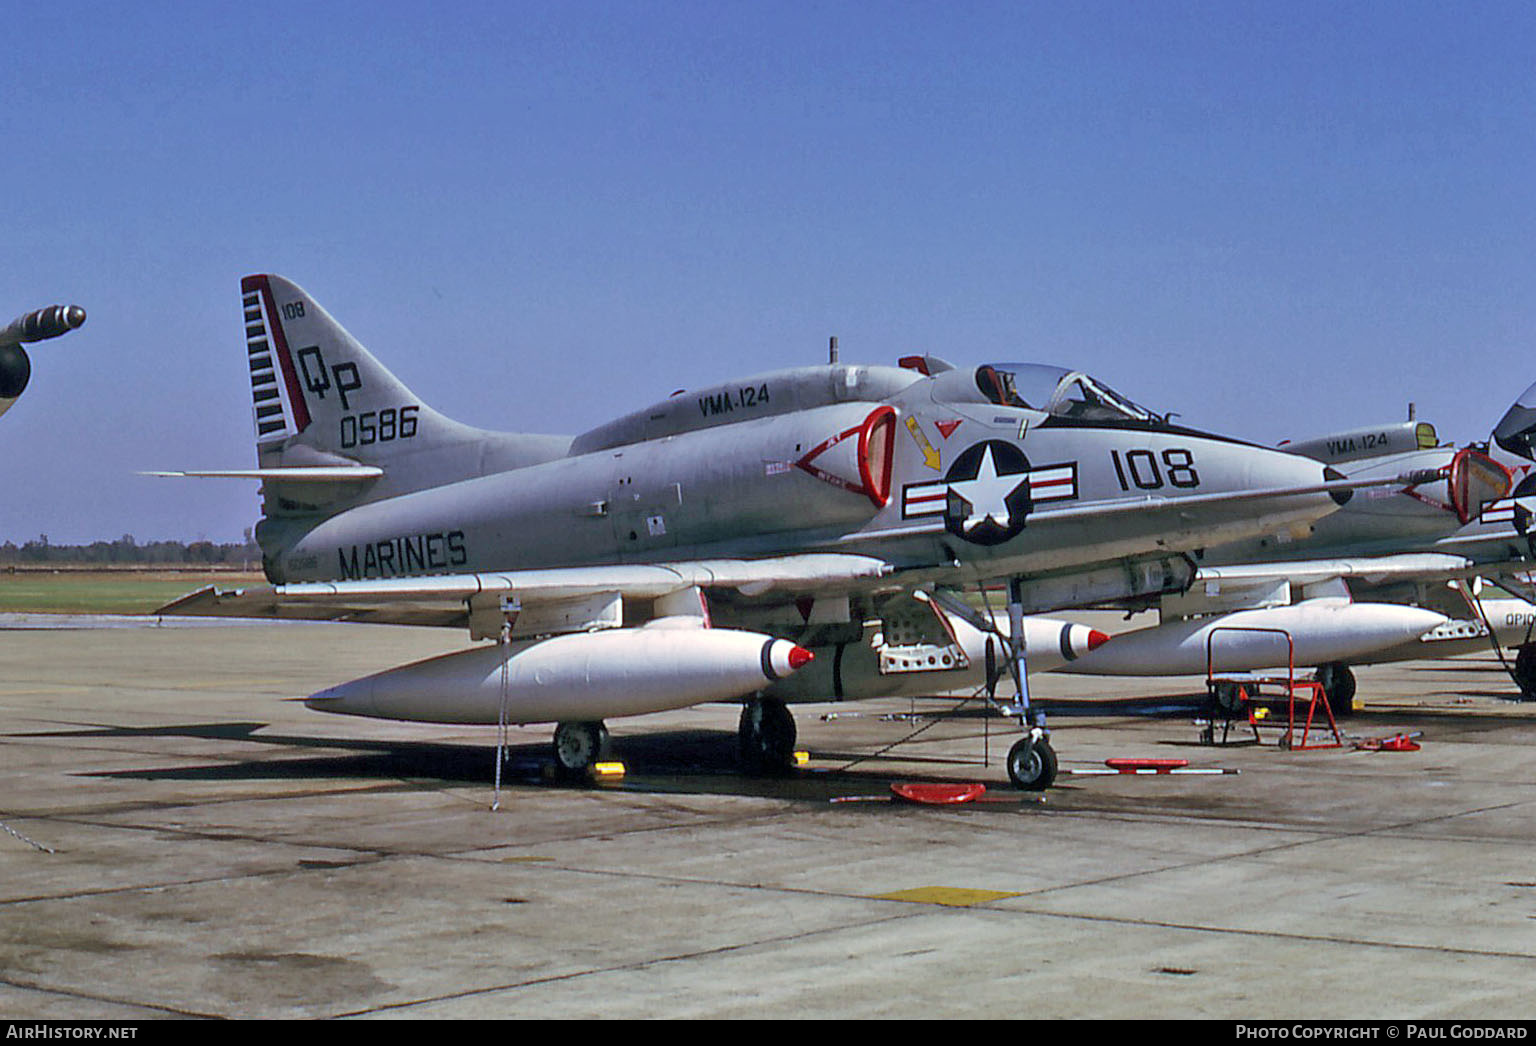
[{"x": 552, "y": 600}]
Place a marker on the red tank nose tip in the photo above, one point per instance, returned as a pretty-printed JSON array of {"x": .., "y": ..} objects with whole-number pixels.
[
  {"x": 1097, "y": 639},
  {"x": 799, "y": 657}
]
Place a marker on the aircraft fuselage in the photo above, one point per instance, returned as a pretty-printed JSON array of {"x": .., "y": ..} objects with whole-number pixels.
[{"x": 957, "y": 489}]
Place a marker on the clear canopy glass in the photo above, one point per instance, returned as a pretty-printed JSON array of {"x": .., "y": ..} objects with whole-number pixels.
[
  {"x": 1058, "y": 391},
  {"x": 1516, "y": 431}
]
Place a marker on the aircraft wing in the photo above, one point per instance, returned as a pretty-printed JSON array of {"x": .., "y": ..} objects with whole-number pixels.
[
  {"x": 569, "y": 599},
  {"x": 548, "y": 600},
  {"x": 1372, "y": 570},
  {"x": 1249, "y": 586}
]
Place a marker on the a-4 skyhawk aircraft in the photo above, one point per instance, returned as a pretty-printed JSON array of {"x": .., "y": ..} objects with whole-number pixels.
[{"x": 707, "y": 546}]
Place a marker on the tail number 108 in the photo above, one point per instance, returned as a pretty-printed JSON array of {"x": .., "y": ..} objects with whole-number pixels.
[
  {"x": 1141, "y": 469},
  {"x": 378, "y": 426}
]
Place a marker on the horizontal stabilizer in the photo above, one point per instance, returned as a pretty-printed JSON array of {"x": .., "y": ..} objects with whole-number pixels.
[{"x": 291, "y": 474}]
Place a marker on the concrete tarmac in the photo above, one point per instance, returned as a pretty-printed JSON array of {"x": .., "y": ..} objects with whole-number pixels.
[{"x": 182, "y": 840}]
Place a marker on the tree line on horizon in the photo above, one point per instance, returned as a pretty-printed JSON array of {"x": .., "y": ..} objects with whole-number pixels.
[{"x": 126, "y": 550}]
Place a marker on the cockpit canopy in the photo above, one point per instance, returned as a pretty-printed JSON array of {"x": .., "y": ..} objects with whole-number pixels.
[
  {"x": 1057, "y": 391},
  {"x": 1516, "y": 431}
]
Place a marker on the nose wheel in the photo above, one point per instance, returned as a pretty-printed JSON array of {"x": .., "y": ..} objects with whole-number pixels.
[{"x": 1032, "y": 762}]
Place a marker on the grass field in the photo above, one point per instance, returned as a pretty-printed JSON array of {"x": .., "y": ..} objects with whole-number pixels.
[{"x": 82, "y": 591}]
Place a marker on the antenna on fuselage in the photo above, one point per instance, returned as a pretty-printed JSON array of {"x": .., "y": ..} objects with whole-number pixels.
[{"x": 832, "y": 351}]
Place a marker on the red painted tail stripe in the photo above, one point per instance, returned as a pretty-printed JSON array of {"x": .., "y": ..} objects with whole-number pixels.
[{"x": 280, "y": 350}]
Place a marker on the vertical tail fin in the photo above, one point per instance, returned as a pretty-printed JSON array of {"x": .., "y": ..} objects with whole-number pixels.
[
  {"x": 321, "y": 399},
  {"x": 313, "y": 385}
]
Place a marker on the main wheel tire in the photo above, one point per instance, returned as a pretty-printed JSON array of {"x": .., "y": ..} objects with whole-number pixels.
[
  {"x": 766, "y": 738},
  {"x": 1229, "y": 698},
  {"x": 1339, "y": 684},
  {"x": 579, "y": 745},
  {"x": 1525, "y": 671},
  {"x": 1032, "y": 764}
]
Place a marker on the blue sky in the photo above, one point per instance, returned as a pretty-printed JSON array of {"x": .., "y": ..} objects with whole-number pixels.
[{"x": 1276, "y": 219}]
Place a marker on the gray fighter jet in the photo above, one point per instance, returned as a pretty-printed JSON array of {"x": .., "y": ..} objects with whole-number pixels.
[
  {"x": 39, "y": 325},
  {"x": 709, "y": 545}
]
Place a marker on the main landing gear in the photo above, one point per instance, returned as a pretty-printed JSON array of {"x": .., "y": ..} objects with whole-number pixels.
[
  {"x": 1525, "y": 671},
  {"x": 578, "y": 747},
  {"x": 1338, "y": 683},
  {"x": 765, "y": 740},
  {"x": 1335, "y": 677}
]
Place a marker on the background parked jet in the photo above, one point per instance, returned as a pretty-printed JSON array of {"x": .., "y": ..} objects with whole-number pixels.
[
  {"x": 620, "y": 570},
  {"x": 1373, "y": 600},
  {"x": 1369, "y": 602},
  {"x": 15, "y": 365},
  {"x": 1394, "y": 575}
]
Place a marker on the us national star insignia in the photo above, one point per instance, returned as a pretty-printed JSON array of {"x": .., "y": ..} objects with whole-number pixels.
[{"x": 989, "y": 491}]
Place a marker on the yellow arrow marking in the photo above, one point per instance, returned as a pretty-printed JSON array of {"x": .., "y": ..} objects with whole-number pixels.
[{"x": 930, "y": 456}]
